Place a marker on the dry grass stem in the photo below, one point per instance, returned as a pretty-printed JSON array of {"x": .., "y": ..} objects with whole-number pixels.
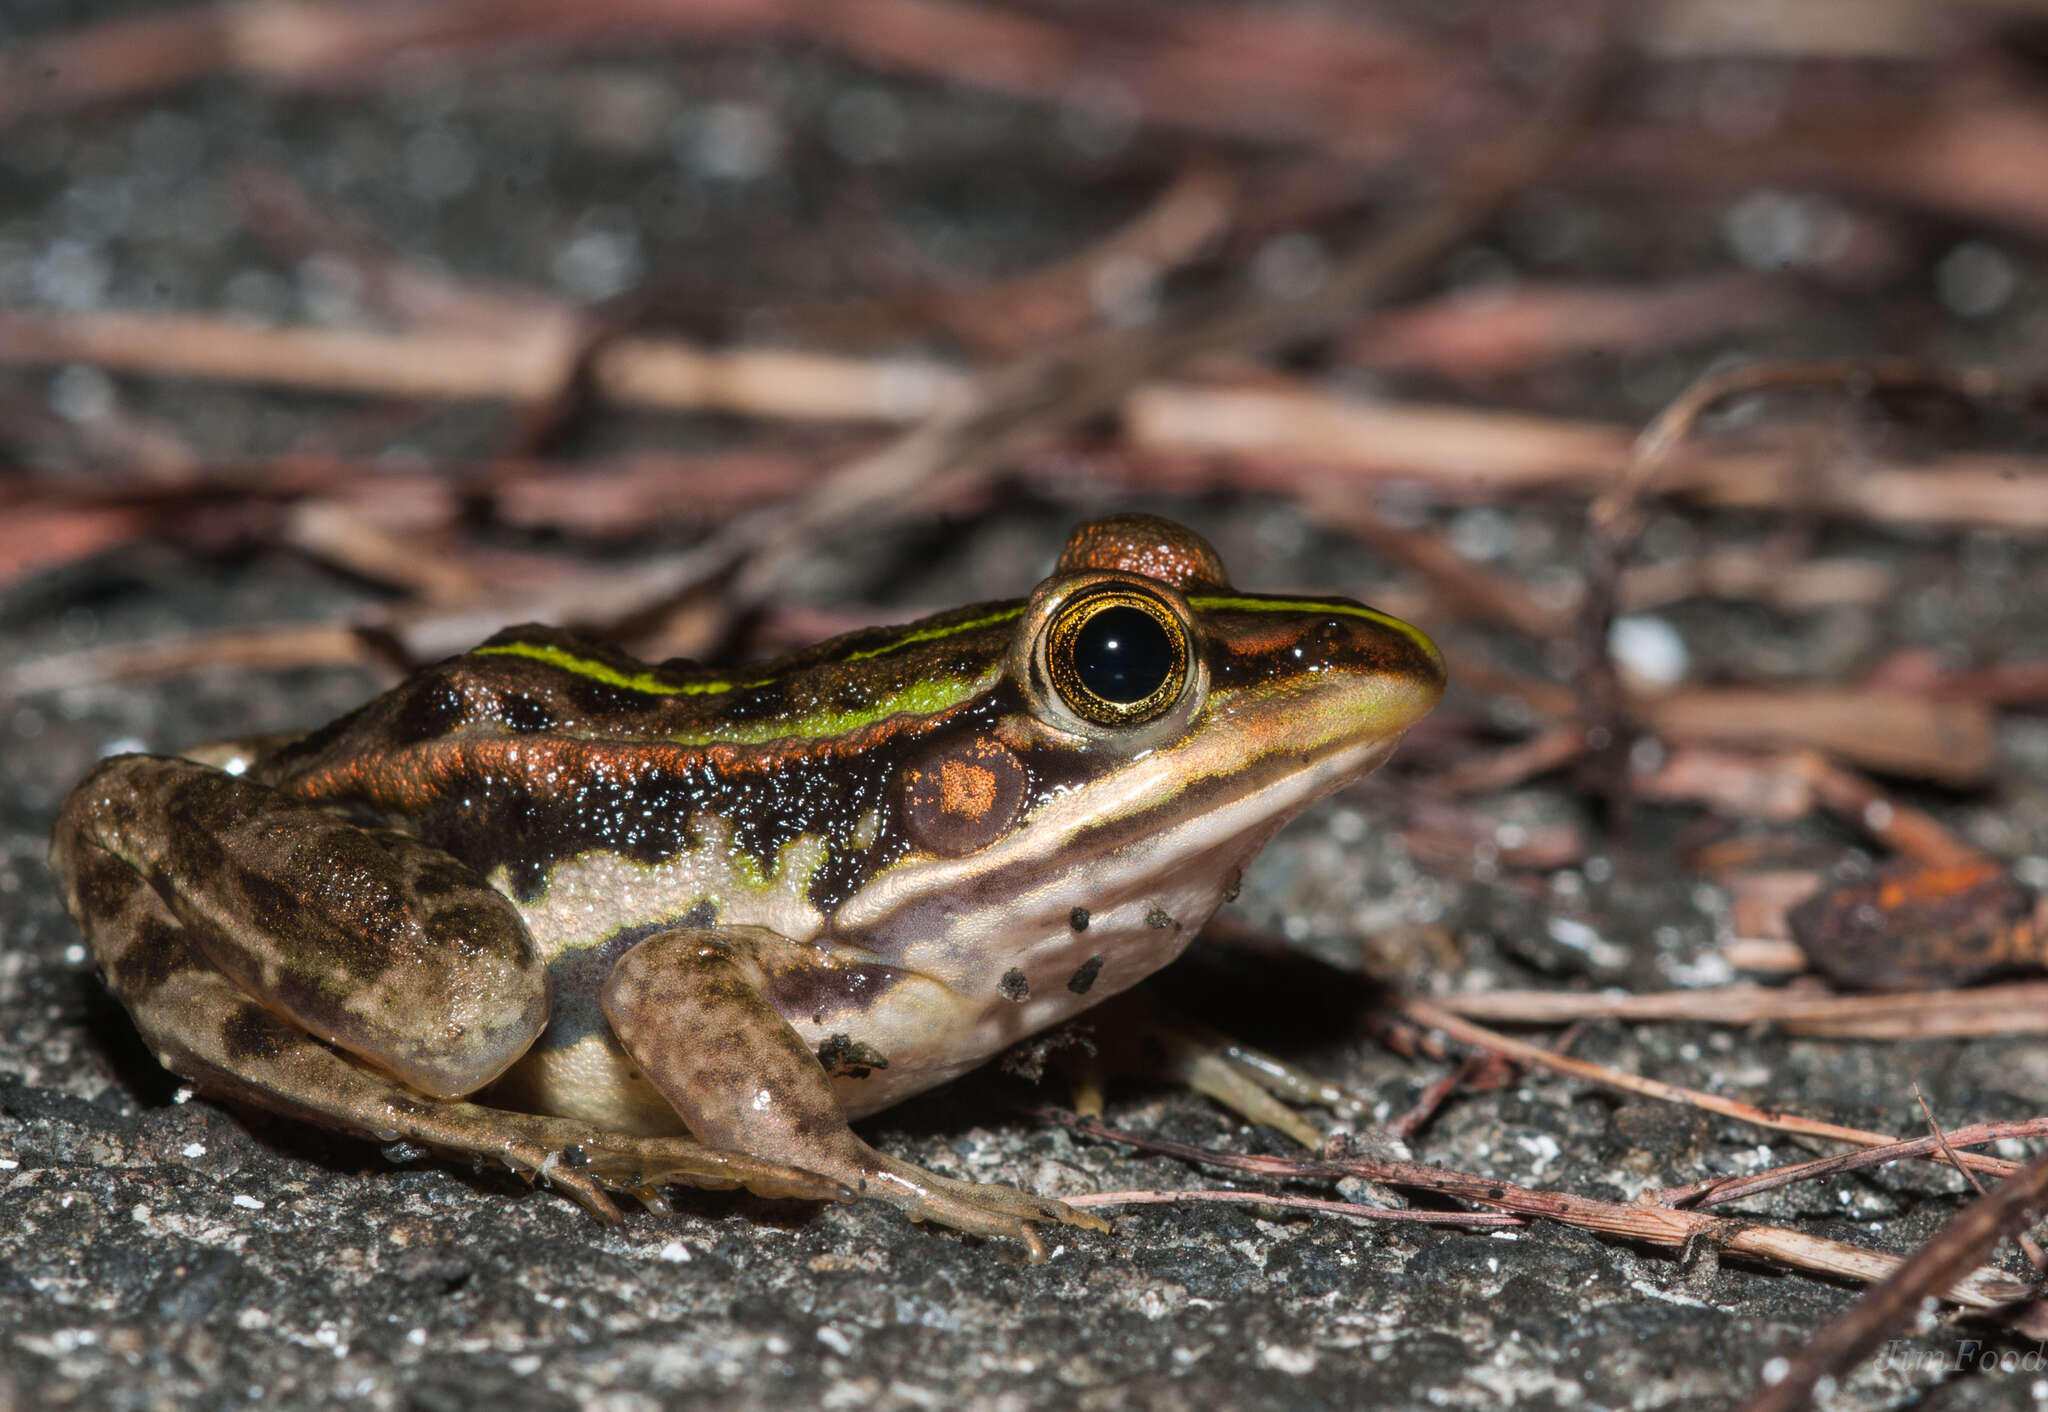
[
  {"x": 1436, "y": 1017},
  {"x": 1975, "y": 1288},
  {"x": 2010, "y": 1008}
]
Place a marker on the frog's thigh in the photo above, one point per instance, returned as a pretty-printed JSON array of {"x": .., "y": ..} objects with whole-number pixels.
[
  {"x": 204, "y": 1027},
  {"x": 366, "y": 938},
  {"x": 688, "y": 1005}
]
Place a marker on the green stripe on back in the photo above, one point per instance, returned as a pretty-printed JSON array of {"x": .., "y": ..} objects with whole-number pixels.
[
  {"x": 928, "y": 697},
  {"x": 564, "y": 660},
  {"x": 611, "y": 676},
  {"x": 933, "y": 634},
  {"x": 1314, "y": 605}
]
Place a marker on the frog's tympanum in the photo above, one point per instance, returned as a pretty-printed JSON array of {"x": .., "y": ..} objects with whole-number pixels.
[{"x": 620, "y": 925}]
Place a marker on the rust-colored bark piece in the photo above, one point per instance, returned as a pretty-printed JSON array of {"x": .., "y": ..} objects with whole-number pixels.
[{"x": 1917, "y": 928}]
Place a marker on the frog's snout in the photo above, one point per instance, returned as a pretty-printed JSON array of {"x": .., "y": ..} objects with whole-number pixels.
[{"x": 1399, "y": 670}]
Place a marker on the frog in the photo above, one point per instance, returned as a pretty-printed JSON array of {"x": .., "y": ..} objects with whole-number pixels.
[{"x": 623, "y": 926}]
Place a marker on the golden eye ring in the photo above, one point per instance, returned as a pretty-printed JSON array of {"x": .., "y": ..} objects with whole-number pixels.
[{"x": 1117, "y": 656}]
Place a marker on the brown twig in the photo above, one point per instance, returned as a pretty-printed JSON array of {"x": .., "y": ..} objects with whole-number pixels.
[
  {"x": 1186, "y": 218},
  {"x": 283, "y": 646},
  {"x": 1177, "y": 438},
  {"x": 1033, "y": 398},
  {"x": 1295, "y": 1203},
  {"x": 2011, "y": 1008},
  {"x": 1895, "y": 1302},
  {"x": 1656, "y": 1225},
  {"x": 1330, "y": 79},
  {"x": 1496, "y": 332},
  {"x": 1275, "y": 437},
  {"x": 1435, "y": 1095},
  {"x": 2027, "y": 1244},
  {"x": 1718, "y": 1191},
  {"x": 1425, "y": 1013}
]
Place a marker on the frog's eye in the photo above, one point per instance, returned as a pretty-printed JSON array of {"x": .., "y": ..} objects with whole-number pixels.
[{"x": 1117, "y": 656}]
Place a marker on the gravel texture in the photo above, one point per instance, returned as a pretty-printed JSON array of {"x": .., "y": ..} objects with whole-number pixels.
[{"x": 156, "y": 1252}]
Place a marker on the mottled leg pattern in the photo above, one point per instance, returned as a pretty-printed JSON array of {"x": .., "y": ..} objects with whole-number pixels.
[
  {"x": 366, "y": 938},
  {"x": 688, "y": 1005},
  {"x": 228, "y": 1036}
]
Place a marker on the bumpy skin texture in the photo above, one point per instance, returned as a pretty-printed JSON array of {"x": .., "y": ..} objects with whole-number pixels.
[{"x": 628, "y": 903}]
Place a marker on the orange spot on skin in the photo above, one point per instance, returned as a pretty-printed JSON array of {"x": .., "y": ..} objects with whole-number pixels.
[{"x": 966, "y": 790}]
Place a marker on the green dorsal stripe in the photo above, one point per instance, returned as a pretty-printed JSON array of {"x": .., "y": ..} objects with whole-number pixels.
[
  {"x": 933, "y": 634},
  {"x": 933, "y": 692},
  {"x": 1314, "y": 605},
  {"x": 713, "y": 686},
  {"x": 611, "y": 676},
  {"x": 929, "y": 696}
]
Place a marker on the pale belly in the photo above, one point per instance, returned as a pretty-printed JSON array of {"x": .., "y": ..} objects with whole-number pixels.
[{"x": 966, "y": 976}]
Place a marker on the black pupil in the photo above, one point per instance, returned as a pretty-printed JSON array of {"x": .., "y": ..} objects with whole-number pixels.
[{"x": 1122, "y": 655}]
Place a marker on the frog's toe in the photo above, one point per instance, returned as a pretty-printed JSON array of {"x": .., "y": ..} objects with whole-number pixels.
[
  {"x": 637, "y": 1164},
  {"x": 978, "y": 1208}
]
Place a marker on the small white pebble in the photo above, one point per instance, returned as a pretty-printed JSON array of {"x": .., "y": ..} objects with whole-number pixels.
[
  {"x": 838, "y": 1342},
  {"x": 1650, "y": 648},
  {"x": 676, "y": 1253},
  {"x": 416, "y": 1337},
  {"x": 193, "y": 1149},
  {"x": 1775, "y": 1371},
  {"x": 8, "y": 1164},
  {"x": 248, "y": 1203},
  {"x": 1295, "y": 1361}
]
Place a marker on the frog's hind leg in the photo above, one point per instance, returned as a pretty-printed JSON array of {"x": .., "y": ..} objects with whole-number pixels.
[
  {"x": 249, "y": 1055},
  {"x": 229, "y": 1038}
]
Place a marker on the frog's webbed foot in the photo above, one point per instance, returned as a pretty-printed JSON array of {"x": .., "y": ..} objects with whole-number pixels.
[
  {"x": 979, "y": 1208},
  {"x": 1250, "y": 1082},
  {"x": 586, "y": 1163}
]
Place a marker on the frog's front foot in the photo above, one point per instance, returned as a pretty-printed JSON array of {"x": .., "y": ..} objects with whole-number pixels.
[
  {"x": 760, "y": 1089},
  {"x": 979, "y": 1208}
]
